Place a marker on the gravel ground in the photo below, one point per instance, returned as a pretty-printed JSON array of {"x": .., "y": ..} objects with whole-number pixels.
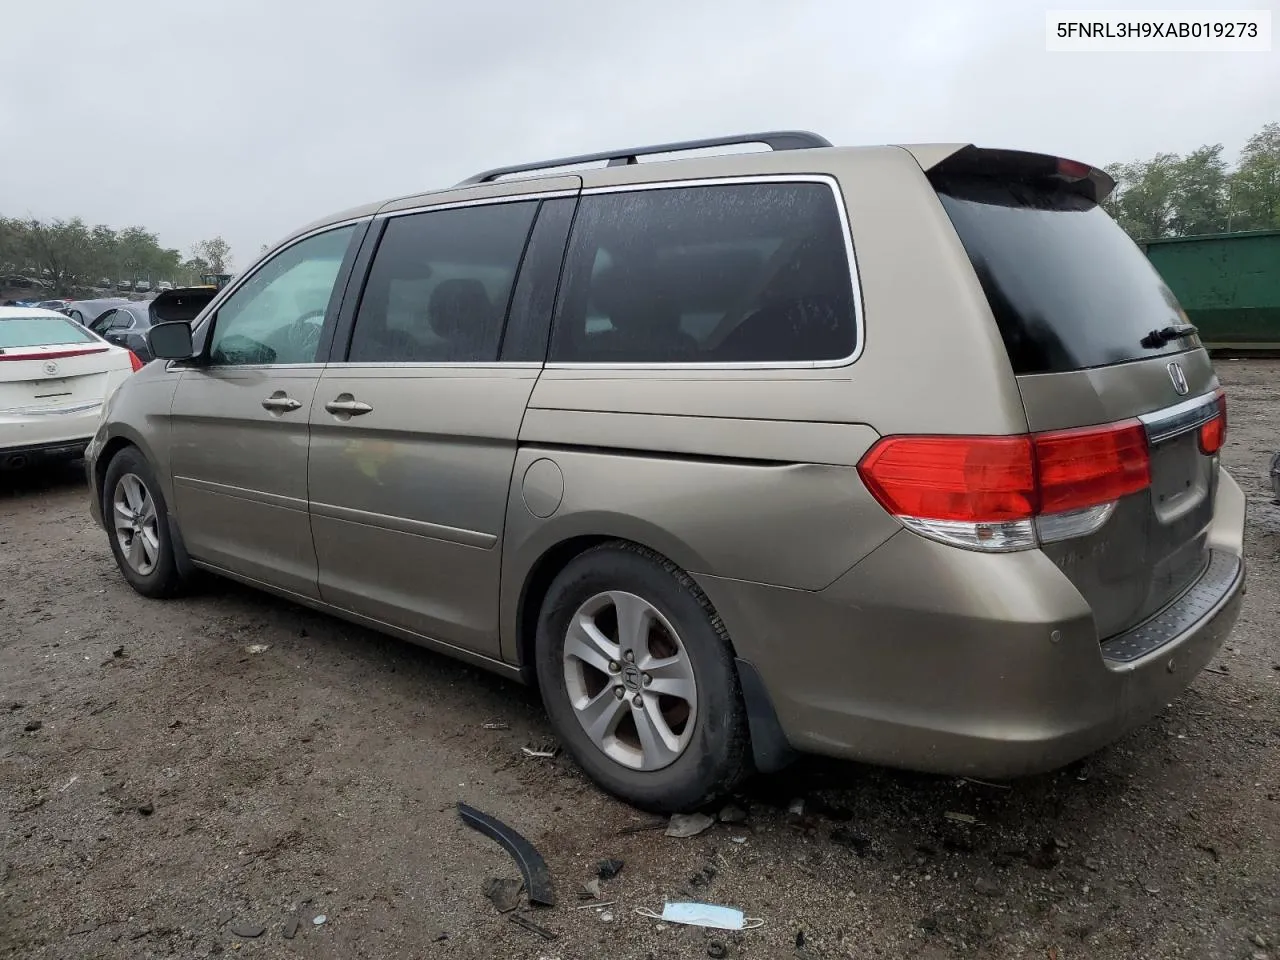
[{"x": 167, "y": 793}]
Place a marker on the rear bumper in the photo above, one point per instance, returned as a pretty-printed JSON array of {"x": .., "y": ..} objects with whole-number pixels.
[
  {"x": 930, "y": 658},
  {"x": 47, "y": 433},
  {"x": 17, "y": 457}
]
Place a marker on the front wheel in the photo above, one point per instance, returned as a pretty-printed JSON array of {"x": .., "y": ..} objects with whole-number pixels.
[
  {"x": 637, "y": 676},
  {"x": 137, "y": 520}
]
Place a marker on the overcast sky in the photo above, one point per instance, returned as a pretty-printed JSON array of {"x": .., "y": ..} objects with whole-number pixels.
[{"x": 249, "y": 118}]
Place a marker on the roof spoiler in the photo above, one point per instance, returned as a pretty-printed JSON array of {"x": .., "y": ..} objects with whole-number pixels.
[{"x": 1019, "y": 165}]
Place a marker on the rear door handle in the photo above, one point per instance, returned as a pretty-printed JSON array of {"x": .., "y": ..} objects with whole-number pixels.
[
  {"x": 347, "y": 406},
  {"x": 280, "y": 401}
]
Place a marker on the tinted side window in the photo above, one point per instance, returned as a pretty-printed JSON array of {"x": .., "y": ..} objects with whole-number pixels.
[
  {"x": 276, "y": 317},
  {"x": 717, "y": 274},
  {"x": 440, "y": 285}
]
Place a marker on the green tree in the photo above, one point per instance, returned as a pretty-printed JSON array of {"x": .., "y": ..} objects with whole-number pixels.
[
  {"x": 1200, "y": 194},
  {"x": 59, "y": 252},
  {"x": 137, "y": 249},
  {"x": 216, "y": 253},
  {"x": 1255, "y": 184},
  {"x": 1144, "y": 199}
]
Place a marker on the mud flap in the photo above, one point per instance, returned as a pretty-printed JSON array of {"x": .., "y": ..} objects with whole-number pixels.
[{"x": 769, "y": 747}]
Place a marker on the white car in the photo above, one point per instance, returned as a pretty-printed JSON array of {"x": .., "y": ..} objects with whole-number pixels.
[{"x": 54, "y": 377}]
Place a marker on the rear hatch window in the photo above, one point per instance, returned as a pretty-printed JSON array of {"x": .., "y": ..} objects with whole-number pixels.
[
  {"x": 1068, "y": 288},
  {"x": 38, "y": 331}
]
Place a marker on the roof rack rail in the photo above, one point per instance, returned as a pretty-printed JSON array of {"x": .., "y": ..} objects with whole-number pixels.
[{"x": 775, "y": 140}]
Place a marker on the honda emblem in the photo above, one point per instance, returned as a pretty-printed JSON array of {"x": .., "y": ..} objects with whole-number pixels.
[{"x": 1179, "y": 378}]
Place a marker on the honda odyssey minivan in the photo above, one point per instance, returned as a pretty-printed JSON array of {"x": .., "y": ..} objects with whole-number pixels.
[{"x": 903, "y": 454}]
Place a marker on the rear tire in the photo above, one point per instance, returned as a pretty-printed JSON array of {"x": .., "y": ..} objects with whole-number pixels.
[
  {"x": 137, "y": 520},
  {"x": 665, "y": 728}
]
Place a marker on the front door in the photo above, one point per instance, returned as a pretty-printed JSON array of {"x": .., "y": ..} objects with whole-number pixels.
[
  {"x": 239, "y": 418},
  {"x": 414, "y": 428}
]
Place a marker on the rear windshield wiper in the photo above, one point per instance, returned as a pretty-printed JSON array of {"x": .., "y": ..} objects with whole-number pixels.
[{"x": 1158, "y": 338}]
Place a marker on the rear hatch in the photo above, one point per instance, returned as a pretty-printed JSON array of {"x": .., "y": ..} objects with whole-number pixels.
[
  {"x": 1096, "y": 340},
  {"x": 51, "y": 365}
]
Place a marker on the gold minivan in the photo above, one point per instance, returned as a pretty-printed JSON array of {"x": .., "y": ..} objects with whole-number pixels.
[{"x": 899, "y": 454}]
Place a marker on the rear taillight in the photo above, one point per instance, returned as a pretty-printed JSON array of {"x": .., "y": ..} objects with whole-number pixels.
[
  {"x": 1213, "y": 433},
  {"x": 1008, "y": 493},
  {"x": 135, "y": 361}
]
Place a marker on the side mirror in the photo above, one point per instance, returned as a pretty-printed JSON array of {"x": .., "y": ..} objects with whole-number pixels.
[{"x": 171, "y": 341}]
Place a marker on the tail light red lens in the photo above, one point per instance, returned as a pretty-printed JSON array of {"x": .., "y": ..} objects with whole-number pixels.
[
  {"x": 976, "y": 479},
  {"x": 941, "y": 483},
  {"x": 1086, "y": 467},
  {"x": 1213, "y": 434},
  {"x": 135, "y": 361}
]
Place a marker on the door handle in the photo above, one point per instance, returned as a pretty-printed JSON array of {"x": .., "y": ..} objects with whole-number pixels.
[
  {"x": 347, "y": 406},
  {"x": 279, "y": 401}
]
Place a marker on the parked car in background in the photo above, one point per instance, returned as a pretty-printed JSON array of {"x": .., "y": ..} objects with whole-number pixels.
[
  {"x": 164, "y": 285},
  {"x": 142, "y": 286},
  {"x": 124, "y": 286},
  {"x": 54, "y": 377},
  {"x": 127, "y": 323},
  {"x": 86, "y": 311},
  {"x": 649, "y": 436},
  {"x": 59, "y": 305}
]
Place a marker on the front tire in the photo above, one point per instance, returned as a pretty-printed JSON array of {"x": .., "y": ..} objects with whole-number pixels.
[
  {"x": 137, "y": 521},
  {"x": 637, "y": 676}
]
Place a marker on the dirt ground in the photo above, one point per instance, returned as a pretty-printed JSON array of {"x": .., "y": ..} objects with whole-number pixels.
[{"x": 181, "y": 793}]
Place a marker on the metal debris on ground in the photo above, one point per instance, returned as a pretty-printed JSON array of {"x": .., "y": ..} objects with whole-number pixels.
[
  {"x": 290, "y": 929},
  {"x": 596, "y": 906},
  {"x": 247, "y": 930},
  {"x": 960, "y": 817},
  {"x": 537, "y": 878},
  {"x": 540, "y": 754},
  {"x": 496, "y": 725},
  {"x": 503, "y": 893},
  {"x": 683, "y": 825},
  {"x": 796, "y": 807},
  {"x": 526, "y": 923},
  {"x": 985, "y": 783},
  {"x": 257, "y": 648},
  {"x": 590, "y": 890},
  {"x": 608, "y": 869}
]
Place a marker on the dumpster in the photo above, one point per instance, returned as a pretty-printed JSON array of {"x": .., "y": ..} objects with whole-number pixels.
[{"x": 1229, "y": 285}]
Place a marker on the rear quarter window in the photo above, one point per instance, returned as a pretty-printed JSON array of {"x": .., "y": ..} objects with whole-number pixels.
[
  {"x": 749, "y": 273},
  {"x": 1069, "y": 290}
]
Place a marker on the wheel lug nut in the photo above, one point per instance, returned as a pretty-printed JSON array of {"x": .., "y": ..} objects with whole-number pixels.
[
  {"x": 638, "y": 700},
  {"x": 619, "y": 692},
  {"x": 613, "y": 666},
  {"x": 647, "y": 679},
  {"x": 631, "y": 657}
]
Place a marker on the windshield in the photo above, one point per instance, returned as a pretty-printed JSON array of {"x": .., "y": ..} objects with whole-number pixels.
[
  {"x": 37, "y": 331},
  {"x": 1068, "y": 288}
]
